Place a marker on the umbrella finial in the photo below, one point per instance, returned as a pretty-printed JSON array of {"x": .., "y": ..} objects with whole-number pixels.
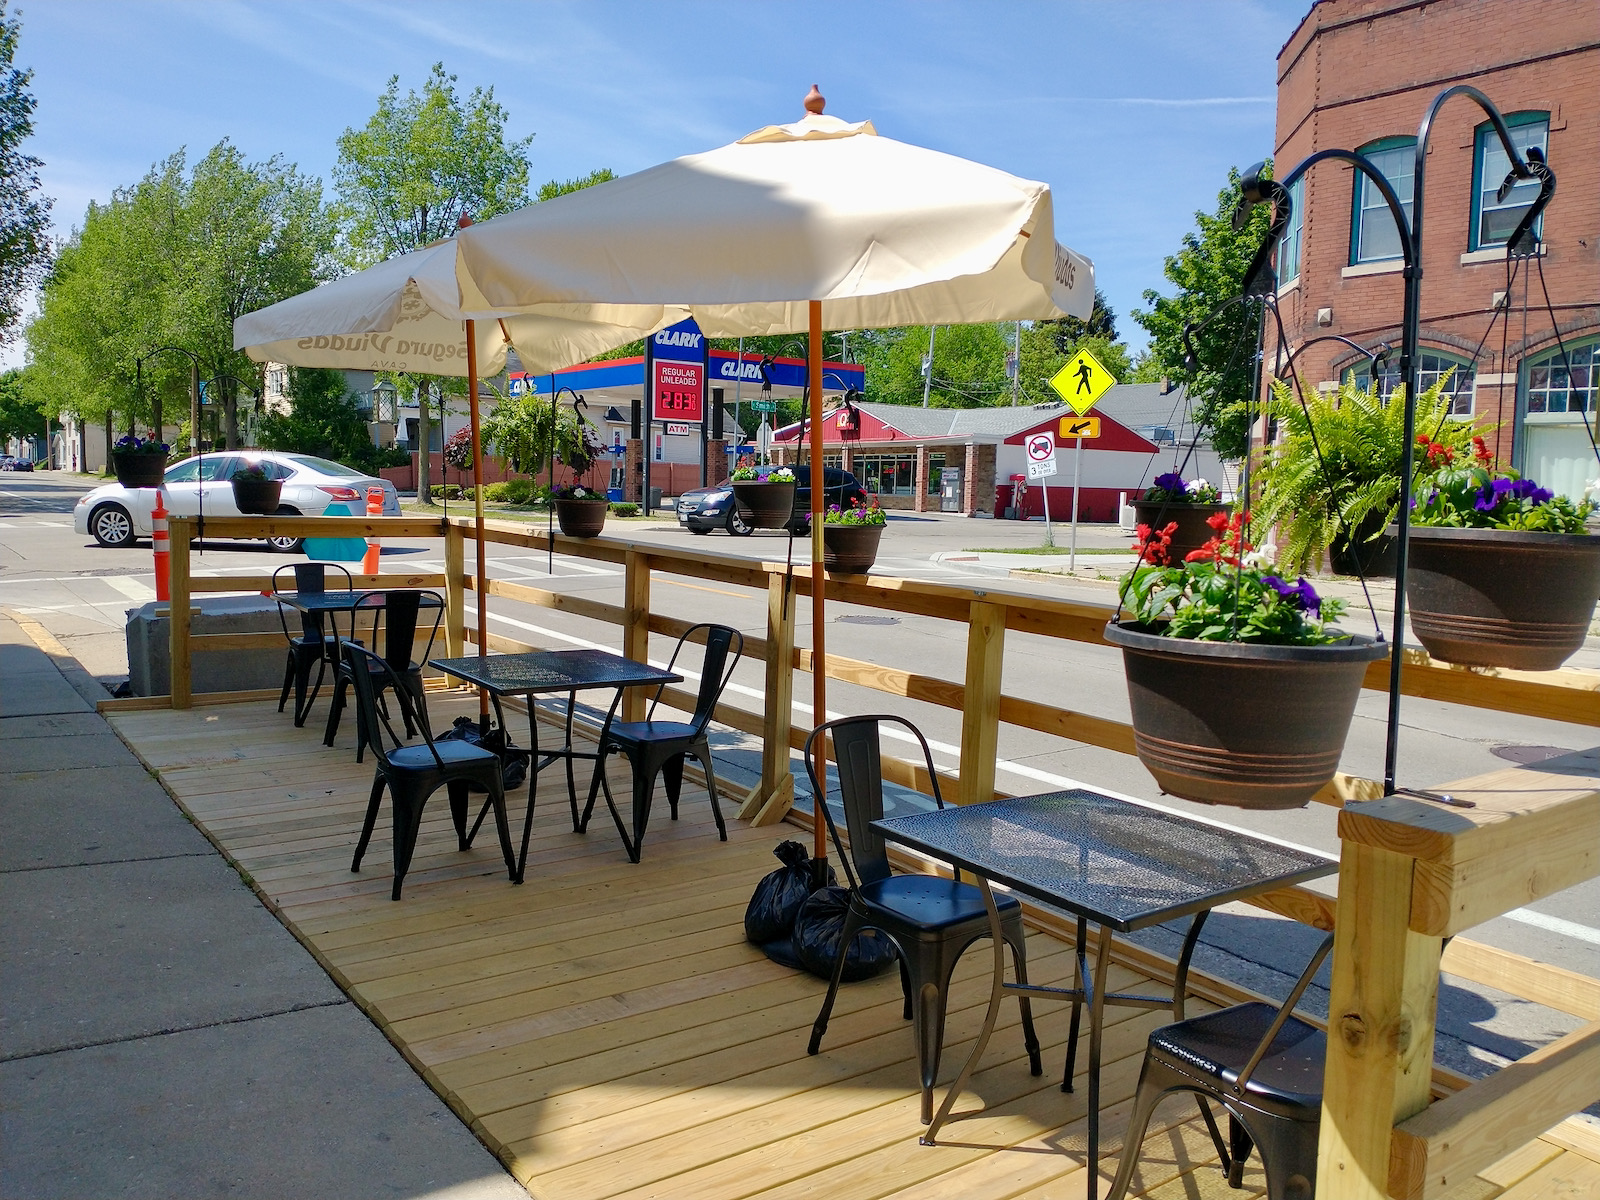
[
  {"x": 814, "y": 101},
  {"x": 463, "y": 220}
]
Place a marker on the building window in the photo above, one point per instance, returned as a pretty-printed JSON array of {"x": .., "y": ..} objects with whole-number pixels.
[
  {"x": 887, "y": 474},
  {"x": 1564, "y": 383},
  {"x": 1431, "y": 367},
  {"x": 1373, "y": 235},
  {"x": 1493, "y": 219},
  {"x": 935, "y": 469},
  {"x": 1289, "y": 243}
]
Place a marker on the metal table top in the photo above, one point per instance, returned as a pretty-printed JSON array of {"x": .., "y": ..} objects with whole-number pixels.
[
  {"x": 1118, "y": 863},
  {"x": 311, "y": 602},
  {"x": 552, "y": 671}
]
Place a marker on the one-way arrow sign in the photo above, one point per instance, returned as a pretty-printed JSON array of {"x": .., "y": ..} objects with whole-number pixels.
[{"x": 1080, "y": 427}]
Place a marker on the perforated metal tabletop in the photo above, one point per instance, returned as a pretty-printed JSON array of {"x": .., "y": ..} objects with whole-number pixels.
[
  {"x": 1120, "y": 864},
  {"x": 552, "y": 671}
]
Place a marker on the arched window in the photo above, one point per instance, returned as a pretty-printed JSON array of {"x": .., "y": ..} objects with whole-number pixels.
[
  {"x": 1493, "y": 219},
  {"x": 1431, "y": 367},
  {"x": 1564, "y": 383},
  {"x": 1373, "y": 235}
]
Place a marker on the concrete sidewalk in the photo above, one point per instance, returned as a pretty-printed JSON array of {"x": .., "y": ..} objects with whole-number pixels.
[{"x": 161, "y": 1034}]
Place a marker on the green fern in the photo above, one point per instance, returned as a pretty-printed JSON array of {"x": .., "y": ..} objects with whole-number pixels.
[{"x": 1352, "y": 488}]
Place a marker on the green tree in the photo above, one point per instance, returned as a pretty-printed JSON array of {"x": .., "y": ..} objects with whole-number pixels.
[
  {"x": 247, "y": 235},
  {"x": 24, "y": 209},
  {"x": 1208, "y": 269},
  {"x": 406, "y": 178},
  {"x": 560, "y": 187},
  {"x": 21, "y": 413},
  {"x": 969, "y": 366}
]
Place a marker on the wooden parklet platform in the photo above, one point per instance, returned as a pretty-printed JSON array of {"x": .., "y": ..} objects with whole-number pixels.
[{"x": 606, "y": 1030}]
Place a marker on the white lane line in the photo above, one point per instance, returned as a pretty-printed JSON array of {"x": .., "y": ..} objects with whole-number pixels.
[
  {"x": 130, "y": 587},
  {"x": 1571, "y": 929}
]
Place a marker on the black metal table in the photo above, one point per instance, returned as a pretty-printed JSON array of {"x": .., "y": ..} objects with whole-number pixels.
[
  {"x": 536, "y": 671},
  {"x": 329, "y": 604},
  {"x": 1117, "y": 863}
]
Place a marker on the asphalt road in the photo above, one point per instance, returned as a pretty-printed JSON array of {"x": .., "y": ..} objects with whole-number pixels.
[{"x": 81, "y": 591}]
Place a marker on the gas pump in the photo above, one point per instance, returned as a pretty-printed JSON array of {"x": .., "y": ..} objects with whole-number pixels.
[{"x": 1019, "y": 498}]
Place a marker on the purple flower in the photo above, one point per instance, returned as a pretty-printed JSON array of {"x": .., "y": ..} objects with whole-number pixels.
[
  {"x": 1171, "y": 481},
  {"x": 1300, "y": 593}
]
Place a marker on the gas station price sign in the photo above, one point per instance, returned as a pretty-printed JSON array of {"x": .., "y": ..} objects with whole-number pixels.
[{"x": 677, "y": 390}]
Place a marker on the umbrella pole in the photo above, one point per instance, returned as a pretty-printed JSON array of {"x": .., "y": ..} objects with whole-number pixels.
[
  {"x": 481, "y": 591},
  {"x": 819, "y": 670}
]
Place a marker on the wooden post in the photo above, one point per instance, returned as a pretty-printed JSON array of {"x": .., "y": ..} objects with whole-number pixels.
[
  {"x": 1381, "y": 1009},
  {"x": 178, "y": 615},
  {"x": 636, "y": 626},
  {"x": 980, "y": 715},
  {"x": 773, "y": 796},
  {"x": 455, "y": 606}
]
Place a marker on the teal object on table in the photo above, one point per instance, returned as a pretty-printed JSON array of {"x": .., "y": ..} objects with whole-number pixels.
[{"x": 336, "y": 549}]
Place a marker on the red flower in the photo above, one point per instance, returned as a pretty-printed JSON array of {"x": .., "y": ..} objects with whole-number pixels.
[
  {"x": 1153, "y": 545},
  {"x": 1480, "y": 451},
  {"x": 1218, "y": 521}
]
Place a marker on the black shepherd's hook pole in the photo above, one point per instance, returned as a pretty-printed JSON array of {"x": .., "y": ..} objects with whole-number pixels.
[{"x": 578, "y": 405}]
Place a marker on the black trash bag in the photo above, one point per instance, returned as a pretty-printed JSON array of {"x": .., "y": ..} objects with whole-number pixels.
[
  {"x": 817, "y": 933},
  {"x": 513, "y": 759},
  {"x": 770, "y": 915}
]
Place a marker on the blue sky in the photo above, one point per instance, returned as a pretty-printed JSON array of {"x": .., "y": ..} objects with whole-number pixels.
[{"x": 1131, "y": 110}]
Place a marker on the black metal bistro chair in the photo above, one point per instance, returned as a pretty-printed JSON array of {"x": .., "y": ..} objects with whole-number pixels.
[
  {"x": 314, "y": 646},
  {"x": 1264, "y": 1066},
  {"x": 931, "y": 920},
  {"x": 413, "y": 773},
  {"x": 659, "y": 747},
  {"x": 401, "y": 612}
]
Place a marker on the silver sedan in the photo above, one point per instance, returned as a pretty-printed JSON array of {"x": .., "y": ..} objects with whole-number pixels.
[{"x": 116, "y": 515}]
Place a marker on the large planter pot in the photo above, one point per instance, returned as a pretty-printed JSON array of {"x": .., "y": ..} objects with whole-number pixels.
[
  {"x": 850, "y": 548},
  {"x": 1250, "y": 726},
  {"x": 763, "y": 504},
  {"x": 1192, "y": 531},
  {"x": 139, "y": 470},
  {"x": 1361, "y": 553},
  {"x": 257, "y": 495},
  {"x": 1499, "y": 598},
  {"x": 581, "y": 518}
]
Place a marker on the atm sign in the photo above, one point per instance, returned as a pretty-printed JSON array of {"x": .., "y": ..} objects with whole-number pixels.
[{"x": 678, "y": 391}]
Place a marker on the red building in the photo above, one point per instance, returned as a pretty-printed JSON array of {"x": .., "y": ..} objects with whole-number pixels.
[{"x": 1359, "y": 74}]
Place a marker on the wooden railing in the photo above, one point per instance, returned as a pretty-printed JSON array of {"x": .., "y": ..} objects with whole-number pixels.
[{"x": 1386, "y": 945}]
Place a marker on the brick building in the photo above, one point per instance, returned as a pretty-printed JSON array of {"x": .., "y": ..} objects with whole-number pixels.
[{"x": 1359, "y": 74}]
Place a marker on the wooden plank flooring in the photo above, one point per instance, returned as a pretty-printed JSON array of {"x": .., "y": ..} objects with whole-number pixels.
[{"x": 606, "y": 1030}]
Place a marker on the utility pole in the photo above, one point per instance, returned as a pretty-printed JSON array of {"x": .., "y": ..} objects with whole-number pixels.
[
  {"x": 1016, "y": 364},
  {"x": 927, "y": 367}
]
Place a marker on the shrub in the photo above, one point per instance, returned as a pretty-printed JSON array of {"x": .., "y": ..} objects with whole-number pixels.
[
  {"x": 445, "y": 491},
  {"x": 625, "y": 510},
  {"x": 520, "y": 491}
]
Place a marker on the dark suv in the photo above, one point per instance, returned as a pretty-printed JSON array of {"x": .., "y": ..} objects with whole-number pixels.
[{"x": 704, "y": 509}]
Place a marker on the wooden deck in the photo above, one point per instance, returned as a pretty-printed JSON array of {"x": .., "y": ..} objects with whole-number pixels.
[{"x": 606, "y": 1030}]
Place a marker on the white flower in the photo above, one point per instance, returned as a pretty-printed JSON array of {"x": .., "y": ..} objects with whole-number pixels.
[
  {"x": 1262, "y": 558},
  {"x": 1198, "y": 485},
  {"x": 1591, "y": 490}
]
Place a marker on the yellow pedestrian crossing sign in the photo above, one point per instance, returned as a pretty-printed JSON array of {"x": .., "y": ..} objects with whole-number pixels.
[{"x": 1082, "y": 381}]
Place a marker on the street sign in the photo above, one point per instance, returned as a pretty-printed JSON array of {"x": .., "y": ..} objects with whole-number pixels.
[
  {"x": 764, "y": 406},
  {"x": 1080, "y": 427},
  {"x": 1082, "y": 382},
  {"x": 1041, "y": 456}
]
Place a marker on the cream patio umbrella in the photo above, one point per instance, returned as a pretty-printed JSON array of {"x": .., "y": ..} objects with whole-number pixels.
[
  {"x": 821, "y": 224},
  {"x": 404, "y": 314}
]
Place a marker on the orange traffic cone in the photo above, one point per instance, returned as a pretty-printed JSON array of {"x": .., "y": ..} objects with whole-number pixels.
[
  {"x": 369, "y": 564},
  {"x": 163, "y": 548}
]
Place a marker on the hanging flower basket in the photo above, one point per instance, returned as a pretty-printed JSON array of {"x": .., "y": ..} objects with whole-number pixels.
[
  {"x": 850, "y": 549},
  {"x": 1501, "y": 598},
  {"x": 1189, "y": 505},
  {"x": 139, "y": 463},
  {"x": 1241, "y": 689},
  {"x": 764, "y": 495},
  {"x": 259, "y": 496},
  {"x": 1501, "y": 572},
  {"x": 581, "y": 518},
  {"x": 1238, "y": 723}
]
